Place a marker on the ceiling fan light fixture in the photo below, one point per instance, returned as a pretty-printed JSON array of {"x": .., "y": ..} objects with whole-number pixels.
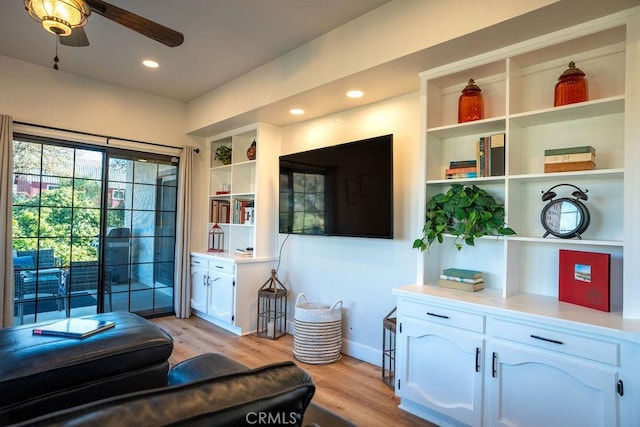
[{"x": 58, "y": 16}]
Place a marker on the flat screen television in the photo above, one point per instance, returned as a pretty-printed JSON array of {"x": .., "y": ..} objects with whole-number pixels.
[{"x": 340, "y": 190}]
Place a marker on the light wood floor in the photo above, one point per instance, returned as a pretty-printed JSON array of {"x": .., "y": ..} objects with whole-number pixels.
[{"x": 349, "y": 387}]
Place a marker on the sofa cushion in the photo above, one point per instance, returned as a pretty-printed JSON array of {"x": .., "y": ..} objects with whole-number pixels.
[
  {"x": 277, "y": 394},
  {"x": 204, "y": 366},
  {"x": 43, "y": 373}
]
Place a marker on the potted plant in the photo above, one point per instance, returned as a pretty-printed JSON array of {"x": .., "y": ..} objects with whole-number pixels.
[
  {"x": 464, "y": 211},
  {"x": 223, "y": 153}
]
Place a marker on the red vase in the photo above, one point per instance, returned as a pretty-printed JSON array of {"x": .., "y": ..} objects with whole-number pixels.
[
  {"x": 572, "y": 87},
  {"x": 470, "y": 103}
]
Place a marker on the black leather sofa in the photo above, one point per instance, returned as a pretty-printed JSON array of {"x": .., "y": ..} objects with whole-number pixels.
[
  {"x": 121, "y": 377},
  {"x": 208, "y": 390}
]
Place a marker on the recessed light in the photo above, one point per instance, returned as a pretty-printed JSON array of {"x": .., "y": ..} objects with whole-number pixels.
[
  {"x": 296, "y": 111},
  {"x": 150, "y": 63},
  {"x": 355, "y": 94}
]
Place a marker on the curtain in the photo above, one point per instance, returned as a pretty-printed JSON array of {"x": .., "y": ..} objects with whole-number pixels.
[
  {"x": 182, "y": 275},
  {"x": 6, "y": 197}
]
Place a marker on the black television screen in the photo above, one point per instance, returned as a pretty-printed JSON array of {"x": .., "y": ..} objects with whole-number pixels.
[{"x": 341, "y": 190}]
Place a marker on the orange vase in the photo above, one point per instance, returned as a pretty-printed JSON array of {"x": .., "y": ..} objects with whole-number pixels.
[
  {"x": 470, "y": 103},
  {"x": 572, "y": 87}
]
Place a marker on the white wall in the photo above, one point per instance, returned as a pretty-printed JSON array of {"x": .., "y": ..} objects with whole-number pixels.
[
  {"x": 43, "y": 96},
  {"x": 34, "y": 94},
  {"x": 361, "y": 272}
]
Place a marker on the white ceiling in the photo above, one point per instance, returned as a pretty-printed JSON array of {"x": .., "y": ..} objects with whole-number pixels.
[{"x": 225, "y": 39}]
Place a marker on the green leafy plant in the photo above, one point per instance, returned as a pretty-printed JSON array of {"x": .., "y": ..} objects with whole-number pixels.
[
  {"x": 223, "y": 153},
  {"x": 464, "y": 211}
]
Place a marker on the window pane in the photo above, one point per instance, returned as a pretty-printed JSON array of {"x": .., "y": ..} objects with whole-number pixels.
[
  {"x": 144, "y": 223},
  {"x": 145, "y": 173},
  {"x": 27, "y": 157},
  {"x": 87, "y": 193},
  {"x": 86, "y": 222},
  {"x": 55, "y": 222},
  {"x": 57, "y": 161},
  {"x": 88, "y": 164},
  {"x": 26, "y": 190},
  {"x": 120, "y": 170},
  {"x": 144, "y": 197},
  {"x": 118, "y": 217},
  {"x": 25, "y": 221}
]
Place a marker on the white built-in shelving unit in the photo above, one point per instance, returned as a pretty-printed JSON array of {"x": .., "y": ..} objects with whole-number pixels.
[{"x": 518, "y": 85}]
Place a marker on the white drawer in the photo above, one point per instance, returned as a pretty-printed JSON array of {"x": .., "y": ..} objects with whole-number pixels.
[
  {"x": 222, "y": 267},
  {"x": 443, "y": 315},
  {"x": 560, "y": 341},
  {"x": 199, "y": 261},
  {"x": 218, "y": 265}
]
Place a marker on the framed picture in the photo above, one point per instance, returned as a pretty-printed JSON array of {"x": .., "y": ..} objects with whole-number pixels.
[{"x": 583, "y": 278}]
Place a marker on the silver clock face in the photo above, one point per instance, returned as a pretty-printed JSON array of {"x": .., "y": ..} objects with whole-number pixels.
[{"x": 562, "y": 217}]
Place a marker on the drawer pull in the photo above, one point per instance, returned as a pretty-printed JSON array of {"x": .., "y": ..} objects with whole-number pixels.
[
  {"x": 441, "y": 316},
  {"x": 219, "y": 267},
  {"x": 494, "y": 365},
  {"x": 195, "y": 261},
  {"x": 537, "y": 337}
]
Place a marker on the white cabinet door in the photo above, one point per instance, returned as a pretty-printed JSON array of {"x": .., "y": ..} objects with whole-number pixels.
[
  {"x": 531, "y": 388},
  {"x": 199, "y": 288},
  {"x": 222, "y": 296},
  {"x": 441, "y": 368}
]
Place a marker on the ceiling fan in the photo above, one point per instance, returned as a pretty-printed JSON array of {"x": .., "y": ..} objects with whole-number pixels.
[{"x": 66, "y": 18}]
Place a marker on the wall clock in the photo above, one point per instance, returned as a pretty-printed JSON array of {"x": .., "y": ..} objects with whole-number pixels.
[{"x": 565, "y": 217}]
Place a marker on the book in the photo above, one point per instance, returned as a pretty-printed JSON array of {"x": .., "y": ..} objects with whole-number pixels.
[
  {"x": 496, "y": 154},
  {"x": 74, "y": 328},
  {"x": 460, "y": 170},
  {"x": 462, "y": 273},
  {"x": 461, "y": 279},
  {"x": 453, "y": 284},
  {"x": 244, "y": 251},
  {"x": 487, "y": 153},
  {"x": 583, "y": 278},
  {"x": 481, "y": 154},
  {"x": 463, "y": 164},
  {"x": 570, "y": 150},
  {"x": 461, "y": 175},
  {"x": 568, "y": 166},
  {"x": 575, "y": 157}
]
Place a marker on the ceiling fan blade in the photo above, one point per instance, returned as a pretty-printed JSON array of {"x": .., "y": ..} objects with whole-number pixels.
[
  {"x": 137, "y": 23},
  {"x": 77, "y": 38}
]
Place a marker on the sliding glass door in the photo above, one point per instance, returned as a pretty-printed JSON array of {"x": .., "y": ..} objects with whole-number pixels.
[
  {"x": 140, "y": 240},
  {"x": 93, "y": 230}
]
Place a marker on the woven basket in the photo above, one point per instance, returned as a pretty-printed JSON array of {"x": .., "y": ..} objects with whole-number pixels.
[{"x": 318, "y": 332}]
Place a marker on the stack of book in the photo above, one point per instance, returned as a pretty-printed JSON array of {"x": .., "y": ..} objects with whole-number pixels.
[
  {"x": 490, "y": 155},
  {"x": 220, "y": 211},
  {"x": 461, "y": 169},
  {"x": 466, "y": 280},
  {"x": 244, "y": 252},
  {"x": 570, "y": 159}
]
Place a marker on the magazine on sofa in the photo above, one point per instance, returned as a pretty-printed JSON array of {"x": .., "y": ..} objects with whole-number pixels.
[{"x": 74, "y": 328}]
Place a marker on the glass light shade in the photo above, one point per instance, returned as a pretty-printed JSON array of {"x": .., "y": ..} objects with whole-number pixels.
[{"x": 58, "y": 16}]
